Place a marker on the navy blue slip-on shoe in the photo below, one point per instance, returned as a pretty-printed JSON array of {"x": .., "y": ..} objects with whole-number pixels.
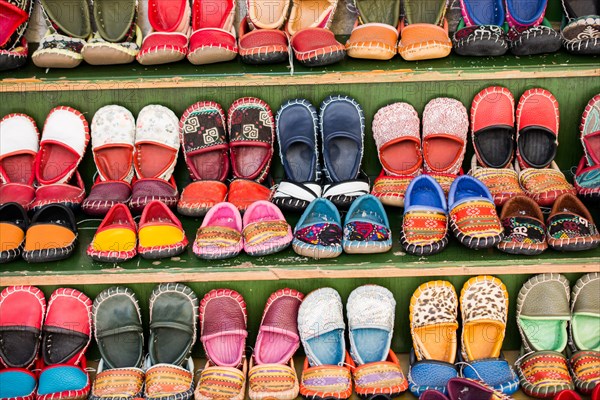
[
  {"x": 342, "y": 125},
  {"x": 297, "y": 134}
]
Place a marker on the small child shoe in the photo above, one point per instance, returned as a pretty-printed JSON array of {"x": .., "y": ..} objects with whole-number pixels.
[
  {"x": 503, "y": 183},
  {"x": 19, "y": 144},
  {"x": 457, "y": 387},
  {"x": 113, "y": 136},
  {"x": 374, "y": 41},
  {"x": 265, "y": 229},
  {"x": 587, "y": 177},
  {"x": 199, "y": 197},
  {"x": 262, "y": 46},
  {"x": 318, "y": 233},
  {"x": 316, "y": 47},
  {"x": 529, "y": 32},
  {"x": 168, "y": 381},
  {"x": 13, "y": 225},
  {"x": 244, "y": 192},
  {"x": 366, "y": 227},
  {"x": 321, "y": 15},
  {"x": 52, "y": 234},
  {"x": 17, "y": 383},
  {"x": 544, "y": 374},
  {"x": 473, "y": 217},
  {"x": 581, "y": 27},
  {"x": 220, "y": 235},
  {"x": 63, "y": 381},
  {"x": 544, "y": 185},
  {"x": 571, "y": 226},
  {"x": 480, "y": 31},
  {"x": 213, "y": 35},
  {"x": 116, "y": 237},
  {"x": 160, "y": 233},
  {"x": 425, "y": 223},
  {"x": 524, "y": 229}
]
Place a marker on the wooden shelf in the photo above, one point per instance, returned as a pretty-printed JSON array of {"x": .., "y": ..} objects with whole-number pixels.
[{"x": 235, "y": 73}]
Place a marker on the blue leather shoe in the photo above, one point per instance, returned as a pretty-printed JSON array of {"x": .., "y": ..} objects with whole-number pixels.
[
  {"x": 62, "y": 380},
  {"x": 17, "y": 384},
  {"x": 367, "y": 229},
  {"x": 318, "y": 233},
  {"x": 494, "y": 372},
  {"x": 428, "y": 375}
]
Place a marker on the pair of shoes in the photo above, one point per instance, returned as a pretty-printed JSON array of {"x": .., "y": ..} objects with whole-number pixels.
[
  {"x": 224, "y": 234},
  {"x": 570, "y": 226},
  {"x": 547, "y": 325},
  {"x": 319, "y": 233},
  {"x": 212, "y": 148},
  {"x": 223, "y": 320},
  {"x": 581, "y": 27},
  {"x": 168, "y": 369},
  {"x": 70, "y": 38},
  {"x": 587, "y": 176},
  {"x": 491, "y": 27},
  {"x": 13, "y": 44},
  {"x": 329, "y": 370},
  {"x": 51, "y": 234},
  {"x": 470, "y": 212},
  {"x": 339, "y": 127},
  {"x": 43, "y": 348},
  {"x": 484, "y": 310},
  {"x": 51, "y": 163},
  {"x": 423, "y": 34},
  {"x": 160, "y": 234},
  {"x": 404, "y": 153},
  {"x": 123, "y": 147},
  {"x": 493, "y": 133}
]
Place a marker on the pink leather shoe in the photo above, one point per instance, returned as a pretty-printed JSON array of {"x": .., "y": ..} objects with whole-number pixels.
[{"x": 220, "y": 235}]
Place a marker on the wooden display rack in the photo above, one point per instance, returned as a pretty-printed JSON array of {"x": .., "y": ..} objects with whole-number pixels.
[{"x": 573, "y": 80}]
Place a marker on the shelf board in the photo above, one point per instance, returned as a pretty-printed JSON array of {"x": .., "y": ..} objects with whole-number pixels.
[
  {"x": 453, "y": 261},
  {"x": 235, "y": 73}
]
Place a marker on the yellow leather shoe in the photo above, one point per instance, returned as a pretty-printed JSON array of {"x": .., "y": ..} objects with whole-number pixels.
[{"x": 161, "y": 233}]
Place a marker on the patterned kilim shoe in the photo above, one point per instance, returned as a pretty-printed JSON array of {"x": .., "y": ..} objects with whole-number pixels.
[
  {"x": 221, "y": 382},
  {"x": 220, "y": 235},
  {"x": 160, "y": 232},
  {"x": 118, "y": 383},
  {"x": 524, "y": 229},
  {"x": 391, "y": 190},
  {"x": 503, "y": 183},
  {"x": 213, "y": 35},
  {"x": 434, "y": 337},
  {"x": 366, "y": 227},
  {"x": 424, "y": 30},
  {"x": 473, "y": 217},
  {"x": 318, "y": 233},
  {"x": 425, "y": 222},
  {"x": 544, "y": 185},
  {"x": 480, "y": 31},
  {"x": 484, "y": 310},
  {"x": 585, "y": 370},
  {"x": 170, "y": 382},
  {"x": 570, "y": 225},
  {"x": 273, "y": 381},
  {"x": 581, "y": 29},
  {"x": 265, "y": 229},
  {"x": 529, "y": 32},
  {"x": 543, "y": 374},
  {"x": 116, "y": 237}
]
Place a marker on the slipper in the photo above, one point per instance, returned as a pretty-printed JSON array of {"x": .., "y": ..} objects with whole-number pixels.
[
  {"x": 13, "y": 225},
  {"x": 168, "y": 40},
  {"x": 297, "y": 135},
  {"x": 544, "y": 185},
  {"x": 432, "y": 359},
  {"x": 223, "y": 321},
  {"x": 318, "y": 233},
  {"x": 199, "y": 197},
  {"x": 251, "y": 134},
  {"x": 170, "y": 382},
  {"x": 15, "y": 16},
  {"x": 327, "y": 381},
  {"x": 244, "y": 192},
  {"x": 221, "y": 382},
  {"x": 66, "y": 333},
  {"x": 484, "y": 314},
  {"x": 425, "y": 221},
  {"x": 262, "y": 46},
  {"x": 155, "y": 156},
  {"x": 213, "y": 35},
  {"x": 116, "y": 237},
  {"x": 160, "y": 233},
  {"x": 391, "y": 190},
  {"x": 220, "y": 235},
  {"x": 473, "y": 218},
  {"x": 52, "y": 234},
  {"x": 529, "y": 32},
  {"x": 273, "y": 19},
  {"x": 276, "y": 381},
  {"x": 69, "y": 26},
  {"x": 590, "y": 131},
  {"x": 118, "y": 329},
  {"x": 18, "y": 384},
  {"x": 22, "y": 311},
  {"x": 480, "y": 31},
  {"x": 423, "y": 33},
  {"x": 396, "y": 130},
  {"x": 121, "y": 383},
  {"x": 310, "y": 14},
  {"x": 19, "y": 144},
  {"x": 524, "y": 228},
  {"x": 342, "y": 125},
  {"x": 64, "y": 381},
  {"x": 467, "y": 389},
  {"x": 544, "y": 374},
  {"x": 69, "y": 194},
  {"x": 567, "y": 395},
  {"x": 503, "y": 183},
  {"x": 584, "y": 366},
  {"x": 316, "y": 47},
  {"x": 380, "y": 380},
  {"x": 113, "y": 137},
  {"x": 543, "y": 313},
  {"x": 366, "y": 227},
  {"x": 571, "y": 226},
  {"x": 64, "y": 139},
  {"x": 117, "y": 38},
  {"x": 586, "y": 181},
  {"x": 375, "y": 41},
  {"x": 172, "y": 334},
  {"x": 265, "y": 229},
  {"x": 581, "y": 27}
]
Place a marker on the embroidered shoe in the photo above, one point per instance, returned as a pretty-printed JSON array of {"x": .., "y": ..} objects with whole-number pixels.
[
  {"x": 220, "y": 235},
  {"x": 581, "y": 27},
  {"x": 544, "y": 185},
  {"x": 587, "y": 177},
  {"x": 318, "y": 233},
  {"x": 160, "y": 233},
  {"x": 265, "y": 229},
  {"x": 529, "y": 32},
  {"x": 366, "y": 227},
  {"x": 524, "y": 229},
  {"x": 480, "y": 31},
  {"x": 425, "y": 222},
  {"x": 570, "y": 225}
]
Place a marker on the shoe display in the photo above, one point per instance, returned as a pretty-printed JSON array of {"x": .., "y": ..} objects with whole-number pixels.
[{"x": 424, "y": 30}]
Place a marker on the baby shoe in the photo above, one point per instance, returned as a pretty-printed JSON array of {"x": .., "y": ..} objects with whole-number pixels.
[
  {"x": 375, "y": 33},
  {"x": 318, "y": 233},
  {"x": 13, "y": 45},
  {"x": 160, "y": 233},
  {"x": 473, "y": 218},
  {"x": 316, "y": 47},
  {"x": 529, "y": 32},
  {"x": 116, "y": 237},
  {"x": 213, "y": 35},
  {"x": 581, "y": 27},
  {"x": 265, "y": 229},
  {"x": 19, "y": 144},
  {"x": 524, "y": 229},
  {"x": 366, "y": 227},
  {"x": 570, "y": 225},
  {"x": 587, "y": 176},
  {"x": 262, "y": 46},
  {"x": 480, "y": 31},
  {"x": 52, "y": 234},
  {"x": 220, "y": 235},
  {"x": 13, "y": 225},
  {"x": 425, "y": 222}
]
